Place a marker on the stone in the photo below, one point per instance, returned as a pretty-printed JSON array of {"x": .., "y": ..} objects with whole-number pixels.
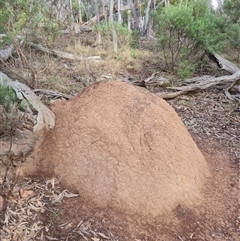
[{"x": 121, "y": 146}]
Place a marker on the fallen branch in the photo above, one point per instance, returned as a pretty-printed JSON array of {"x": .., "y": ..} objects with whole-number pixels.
[
  {"x": 52, "y": 93},
  {"x": 11, "y": 72},
  {"x": 23, "y": 141},
  {"x": 94, "y": 20},
  {"x": 209, "y": 82},
  {"x": 7, "y": 52},
  {"x": 223, "y": 63},
  {"x": 45, "y": 118},
  {"x": 201, "y": 85},
  {"x": 64, "y": 55}
]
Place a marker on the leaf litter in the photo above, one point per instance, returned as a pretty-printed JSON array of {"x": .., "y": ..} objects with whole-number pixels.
[{"x": 29, "y": 201}]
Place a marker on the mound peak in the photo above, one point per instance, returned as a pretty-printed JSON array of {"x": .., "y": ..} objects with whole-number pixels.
[{"x": 123, "y": 147}]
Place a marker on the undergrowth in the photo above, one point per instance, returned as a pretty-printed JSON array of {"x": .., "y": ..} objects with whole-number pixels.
[{"x": 10, "y": 106}]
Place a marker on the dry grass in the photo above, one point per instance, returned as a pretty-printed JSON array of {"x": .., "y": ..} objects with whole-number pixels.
[
  {"x": 126, "y": 60},
  {"x": 58, "y": 74}
]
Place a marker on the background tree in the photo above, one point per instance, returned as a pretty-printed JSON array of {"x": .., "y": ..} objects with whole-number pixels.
[
  {"x": 185, "y": 32},
  {"x": 114, "y": 33}
]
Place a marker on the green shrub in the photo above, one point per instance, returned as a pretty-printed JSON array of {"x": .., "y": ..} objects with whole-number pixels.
[
  {"x": 233, "y": 37},
  {"x": 9, "y": 106},
  {"x": 185, "y": 69},
  {"x": 8, "y": 97},
  {"x": 185, "y": 32},
  {"x": 30, "y": 19}
]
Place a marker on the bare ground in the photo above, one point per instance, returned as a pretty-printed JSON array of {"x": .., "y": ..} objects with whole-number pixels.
[{"x": 40, "y": 210}]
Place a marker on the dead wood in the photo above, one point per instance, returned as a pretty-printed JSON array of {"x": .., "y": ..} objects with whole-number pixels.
[
  {"x": 8, "y": 70},
  {"x": 44, "y": 121},
  {"x": 52, "y": 94},
  {"x": 202, "y": 83},
  {"x": 64, "y": 55},
  {"x": 223, "y": 63},
  {"x": 93, "y": 20},
  {"x": 7, "y": 52}
]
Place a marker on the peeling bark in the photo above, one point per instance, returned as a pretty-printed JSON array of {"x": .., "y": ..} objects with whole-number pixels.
[{"x": 24, "y": 141}]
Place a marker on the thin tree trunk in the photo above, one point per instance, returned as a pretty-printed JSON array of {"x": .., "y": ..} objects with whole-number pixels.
[
  {"x": 80, "y": 11},
  {"x": 146, "y": 20},
  {"x": 134, "y": 8},
  {"x": 72, "y": 17},
  {"x": 99, "y": 37},
  {"x": 166, "y": 3},
  {"x": 114, "y": 33},
  {"x": 119, "y": 12},
  {"x": 129, "y": 20},
  {"x": 103, "y": 7}
]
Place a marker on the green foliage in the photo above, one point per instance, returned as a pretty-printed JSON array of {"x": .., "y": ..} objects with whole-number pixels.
[
  {"x": 184, "y": 32},
  {"x": 232, "y": 9},
  {"x": 185, "y": 69},
  {"x": 135, "y": 39},
  {"x": 230, "y": 13},
  {"x": 8, "y": 108},
  {"x": 234, "y": 35},
  {"x": 28, "y": 18},
  {"x": 233, "y": 39},
  {"x": 134, "y": 53},
  {"x": 124, "y": 37},
  {"x": 8, "y": 97}
]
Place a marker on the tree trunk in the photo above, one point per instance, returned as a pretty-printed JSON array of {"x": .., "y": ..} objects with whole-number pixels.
[
  {"x": 114, "y": 33},
  {"x": 72, "y": 16},
  {"x": 119, "y": 12},
  {"x": 135, "y": 12},
  {"x": 103, "y": 7},
  {"x": 146, "y": 20},
  {"x": 129, "y": 20},
  {"x": 166, "y": 3},
  {"x": 99, "y": 37},
  {"x": 80, "y": 11}
]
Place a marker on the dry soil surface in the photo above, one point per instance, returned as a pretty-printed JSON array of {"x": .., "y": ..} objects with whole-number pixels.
[{"x": 41, "y": 210}]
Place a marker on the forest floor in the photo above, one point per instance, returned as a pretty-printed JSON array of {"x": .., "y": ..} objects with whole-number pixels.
[{"x": 35, "y": 209}]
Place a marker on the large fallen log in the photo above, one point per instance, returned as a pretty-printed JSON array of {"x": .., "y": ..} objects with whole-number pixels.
[
  {"x": 223, "y": 63},
  {"x": 45, "y": 118},
  {"x": 24, "y": 140},
  {"x": 64, "y": 55}
]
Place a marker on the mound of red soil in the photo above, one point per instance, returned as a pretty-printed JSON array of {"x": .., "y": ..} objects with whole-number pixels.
[{"x": 123, "y": 147}]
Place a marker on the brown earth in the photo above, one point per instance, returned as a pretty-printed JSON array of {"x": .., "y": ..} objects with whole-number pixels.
[
  {"x": 214, "y": 123},
  {"x": 122, "y": 147},
  {"x": 216, "y": 218}
]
